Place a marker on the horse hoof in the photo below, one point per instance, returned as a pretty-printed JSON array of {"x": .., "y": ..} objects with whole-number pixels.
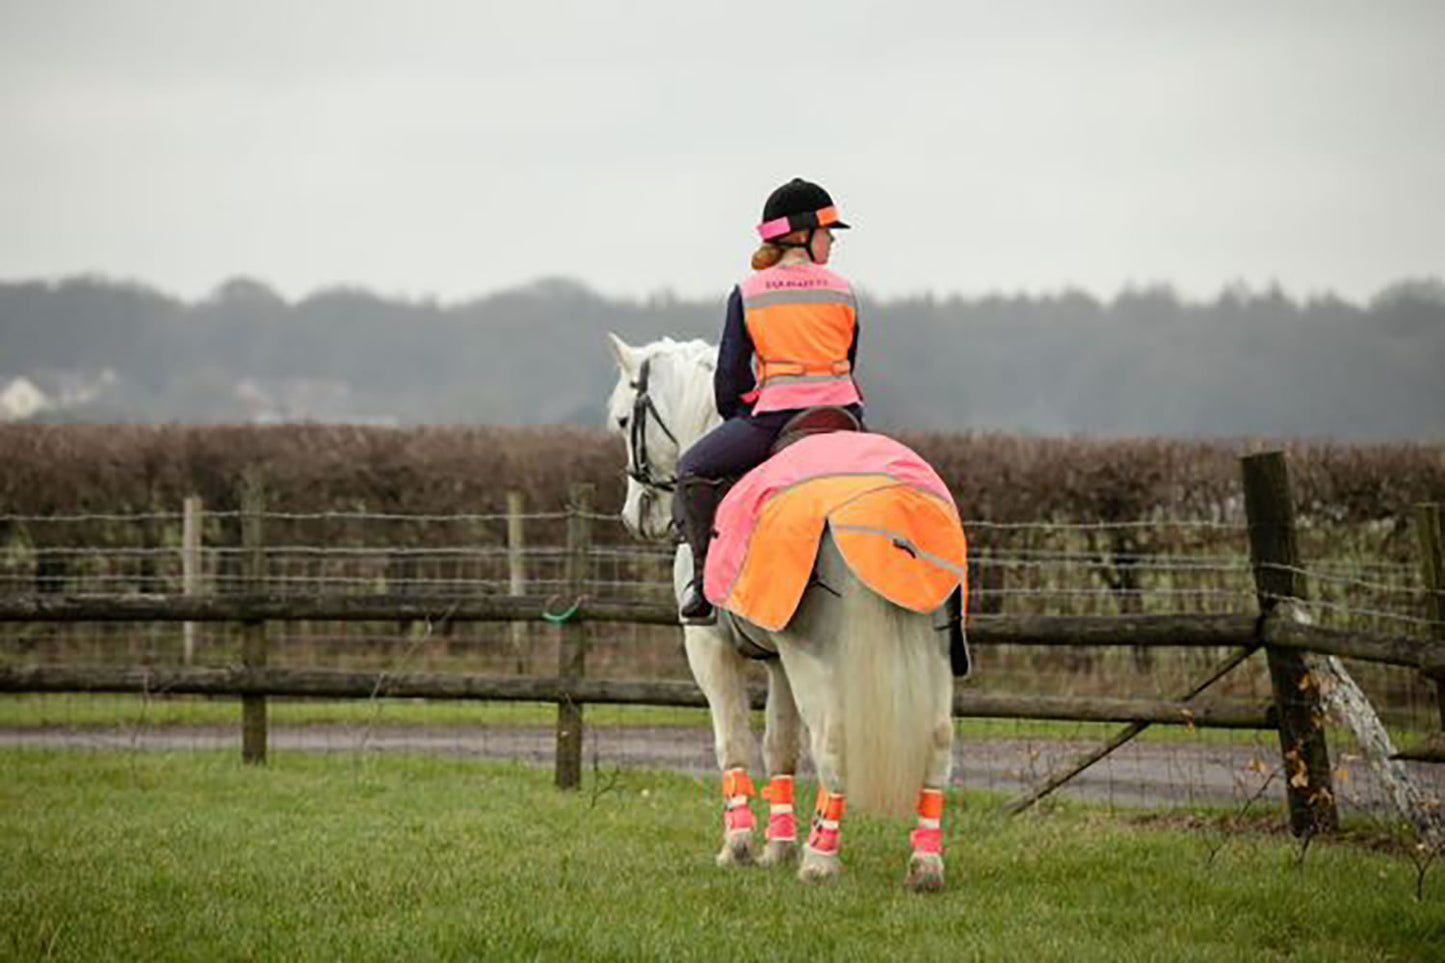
[
  {"x": 737, "y": 849},
  {"x": 925, "y": 873},
  {"x": 819, "y": 867},
  {"x": 778, "y": 852}
]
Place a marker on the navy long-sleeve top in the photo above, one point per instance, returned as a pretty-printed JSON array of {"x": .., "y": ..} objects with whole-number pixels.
[{"x": 734, "y": 376}]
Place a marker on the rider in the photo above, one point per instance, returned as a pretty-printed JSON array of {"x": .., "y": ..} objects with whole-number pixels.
[{"x": 789, "y": 343}]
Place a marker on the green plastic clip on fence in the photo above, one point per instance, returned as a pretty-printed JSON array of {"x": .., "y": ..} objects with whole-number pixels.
[{"x": 557, "y": 618}]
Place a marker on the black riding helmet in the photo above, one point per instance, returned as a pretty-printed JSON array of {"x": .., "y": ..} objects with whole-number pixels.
[{"x": 798, "y": 205}]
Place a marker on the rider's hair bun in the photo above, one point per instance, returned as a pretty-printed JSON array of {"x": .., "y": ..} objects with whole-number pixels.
[{"x": 766, "y": 256}]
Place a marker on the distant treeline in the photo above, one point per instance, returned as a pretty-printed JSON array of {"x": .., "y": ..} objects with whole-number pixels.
[{"x": 1144, "y": 363}]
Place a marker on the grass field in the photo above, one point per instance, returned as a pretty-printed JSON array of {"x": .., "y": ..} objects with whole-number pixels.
[
  {"x": 356, "y": 856},
  {"x": 104, "y": 711}
]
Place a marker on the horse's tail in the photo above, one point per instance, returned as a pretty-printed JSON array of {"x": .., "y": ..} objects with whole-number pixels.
[{"x": 891, "y": 678}]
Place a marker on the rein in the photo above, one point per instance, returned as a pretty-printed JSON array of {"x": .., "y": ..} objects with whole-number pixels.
[{"x": 639, "y": 467}]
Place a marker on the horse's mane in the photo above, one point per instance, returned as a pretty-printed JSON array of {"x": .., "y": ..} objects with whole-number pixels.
[{"x": 696, "y": 353}]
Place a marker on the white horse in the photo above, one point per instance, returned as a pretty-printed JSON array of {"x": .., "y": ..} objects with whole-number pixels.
[{"x": 871, "y": 680}]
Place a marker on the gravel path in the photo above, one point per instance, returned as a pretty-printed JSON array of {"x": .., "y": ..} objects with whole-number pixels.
[{"x": 1141, "y": 774}]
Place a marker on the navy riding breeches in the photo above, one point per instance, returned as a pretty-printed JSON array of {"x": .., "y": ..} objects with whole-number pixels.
[{"x": 735, "y": 447}]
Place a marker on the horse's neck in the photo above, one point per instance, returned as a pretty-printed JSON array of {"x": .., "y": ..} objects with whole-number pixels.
[{"x": 696, "y": 407}]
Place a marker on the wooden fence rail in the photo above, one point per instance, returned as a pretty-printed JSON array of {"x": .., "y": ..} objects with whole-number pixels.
[{"x": 1144, "y": 631}]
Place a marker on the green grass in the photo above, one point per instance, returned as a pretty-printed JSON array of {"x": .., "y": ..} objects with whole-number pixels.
[
  {"x": 85, "y": 711},
  {"x": 195, "y": 856}
]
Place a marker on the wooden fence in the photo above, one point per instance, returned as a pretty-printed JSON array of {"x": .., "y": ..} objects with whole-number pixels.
[{"x": 1294, "y": 710}]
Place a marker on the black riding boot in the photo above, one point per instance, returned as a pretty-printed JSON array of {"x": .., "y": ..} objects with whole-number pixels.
[{"x": 698, "y": 498}]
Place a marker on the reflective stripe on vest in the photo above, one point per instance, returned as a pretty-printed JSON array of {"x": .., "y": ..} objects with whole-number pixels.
[{"x": 801, "y": 318}]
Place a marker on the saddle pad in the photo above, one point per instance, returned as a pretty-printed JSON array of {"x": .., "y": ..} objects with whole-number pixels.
[{"x": 892, "y": 519}]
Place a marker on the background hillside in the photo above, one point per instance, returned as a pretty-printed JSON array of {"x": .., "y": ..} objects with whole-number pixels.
[{"x": 1144, "y": 363}]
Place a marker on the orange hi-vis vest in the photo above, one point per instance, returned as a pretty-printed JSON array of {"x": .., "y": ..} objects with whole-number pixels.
[{"x": 802, "y": 319}]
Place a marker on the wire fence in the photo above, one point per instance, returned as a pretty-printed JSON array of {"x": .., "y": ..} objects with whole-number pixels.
[{"x": 1357, "y": 578}]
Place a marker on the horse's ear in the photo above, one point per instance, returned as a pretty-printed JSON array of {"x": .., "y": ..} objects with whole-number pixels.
[{"x": 626, "y": 354}]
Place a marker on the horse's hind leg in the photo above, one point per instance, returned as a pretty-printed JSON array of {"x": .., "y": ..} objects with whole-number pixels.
[
  {"x": 925, "y": 866},
  {"x": 720, "y": 673},
  {"x": 781, "y": 745}
]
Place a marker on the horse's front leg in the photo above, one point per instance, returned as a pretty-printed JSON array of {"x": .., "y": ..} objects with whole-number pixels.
[
  {"x": 721, "y": 674},
  {"x": 781, "y": 747},
  {"x": 811, "y": 676}
]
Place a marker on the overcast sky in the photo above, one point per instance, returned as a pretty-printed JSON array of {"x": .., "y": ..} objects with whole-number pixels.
[{"x": 452, "y": 149}]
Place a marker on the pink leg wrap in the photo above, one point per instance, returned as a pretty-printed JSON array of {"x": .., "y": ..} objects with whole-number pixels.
[
  {"x": 827, "y": 815},
  {"x": 823, "y": 839},
  {"x": 737, "y": 817},
  {"x": 927, "y": 839},
  {"x": 782, "y": 826}
]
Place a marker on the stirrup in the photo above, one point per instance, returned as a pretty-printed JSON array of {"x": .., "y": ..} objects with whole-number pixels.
[{"x": 696, "y": 609}]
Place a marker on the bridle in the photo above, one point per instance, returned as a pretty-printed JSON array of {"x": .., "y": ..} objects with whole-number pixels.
[{"x": 639, "y": 467}]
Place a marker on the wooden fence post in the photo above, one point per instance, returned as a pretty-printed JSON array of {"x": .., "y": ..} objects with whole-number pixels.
[
  {"x": 1275, "y": 552},
  {"x": 517, "y": 578},
  {"x": 572, "y": 648},
  {"x": 253, "y": 633},
  {"x": 190, "y": 569},
  {"x": 1432, "y": 562}
]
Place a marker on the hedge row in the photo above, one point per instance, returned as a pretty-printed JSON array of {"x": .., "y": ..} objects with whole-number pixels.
[{"x": 133, "y": 468}]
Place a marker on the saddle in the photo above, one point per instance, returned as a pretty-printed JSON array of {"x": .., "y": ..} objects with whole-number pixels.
[{"x": 818, "y": 420}]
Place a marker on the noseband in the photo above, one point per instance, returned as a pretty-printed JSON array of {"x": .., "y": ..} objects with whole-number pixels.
[{"x": 639, "y": 467}]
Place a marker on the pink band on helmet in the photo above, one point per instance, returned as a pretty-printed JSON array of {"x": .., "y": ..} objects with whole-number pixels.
[{"x": 779, "y": 226}]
